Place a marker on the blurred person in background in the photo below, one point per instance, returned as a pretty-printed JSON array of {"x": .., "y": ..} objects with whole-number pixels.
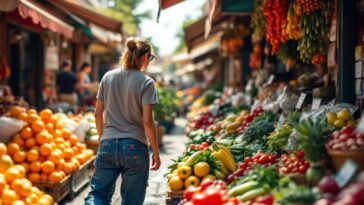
[
  {"x": 83, "y": 77},
  {"x": 125, "y": 123},
  {"x": 66, "y": 83}
]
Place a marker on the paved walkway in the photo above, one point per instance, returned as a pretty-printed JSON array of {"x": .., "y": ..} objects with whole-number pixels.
[{"x": 156, "y": 192}]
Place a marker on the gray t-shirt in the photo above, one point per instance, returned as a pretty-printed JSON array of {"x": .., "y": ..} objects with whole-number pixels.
[{"x": 124, "y": 92}]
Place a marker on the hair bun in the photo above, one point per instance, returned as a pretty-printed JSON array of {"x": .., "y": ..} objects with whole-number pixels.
[{"x": 131, "y": 44}]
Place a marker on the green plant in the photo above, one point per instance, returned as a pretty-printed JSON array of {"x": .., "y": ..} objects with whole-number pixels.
[{"x": 167, "y": 107}]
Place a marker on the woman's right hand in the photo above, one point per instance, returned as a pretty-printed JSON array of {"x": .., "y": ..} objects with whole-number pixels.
[{"x": 156, "y": 162}]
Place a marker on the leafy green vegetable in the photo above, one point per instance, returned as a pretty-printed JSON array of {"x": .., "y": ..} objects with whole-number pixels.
[
  {"x": 267, "y": 116},
  {"x": 278, "y": 140},
  {"x": 295, "y": 194},
  {"x": 207, "y": 156},
  {"x": 167, "y": 107},
  {"x": 263, "y": 175},
  {"x": 252, "y": 148},
  {"x": 258, "y": 130},
  {"x": 293, "y": 118},
  {"x": 312, "y": 135}
]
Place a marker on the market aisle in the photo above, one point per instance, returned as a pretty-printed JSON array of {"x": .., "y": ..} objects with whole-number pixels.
[{"x": 156, "y": 192}]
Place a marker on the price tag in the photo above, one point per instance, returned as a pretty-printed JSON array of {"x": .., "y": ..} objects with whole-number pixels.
[
  {"x": 300, "y": 101},
  {"x": 346, "y": 173},
  {"x": 270, "y": 79},
  {"x": 280, "y": 122},
  {"x": 316, "y": 103},
  {"x": 332, "y": 102},
  {"x": 284, "y": 90},
  {"x": 214, "y": 109},
  {"x": 360, "y": 127}
]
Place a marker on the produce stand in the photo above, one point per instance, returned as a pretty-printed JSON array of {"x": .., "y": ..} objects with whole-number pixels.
[
  {"x": 81, "y": 177},
  {"x": 57, "y": 190},
  {"x": 173, "y": 197},
  {"x": 92, "y": 144}
]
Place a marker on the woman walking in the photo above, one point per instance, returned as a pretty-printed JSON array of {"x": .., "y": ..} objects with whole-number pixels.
[{"x": 125, "y": 98}]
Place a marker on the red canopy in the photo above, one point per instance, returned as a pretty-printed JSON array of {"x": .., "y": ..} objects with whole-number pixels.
[{"x": 168, "y": 3}]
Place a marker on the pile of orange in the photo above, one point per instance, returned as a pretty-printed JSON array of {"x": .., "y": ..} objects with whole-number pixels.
[
  {"x": 47, "y": 150},
  {"x": 15, "y": 188}
]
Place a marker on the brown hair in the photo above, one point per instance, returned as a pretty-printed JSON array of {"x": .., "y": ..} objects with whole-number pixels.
[{"x": 135, "y": 49}]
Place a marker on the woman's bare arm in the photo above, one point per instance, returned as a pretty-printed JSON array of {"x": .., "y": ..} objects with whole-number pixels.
[
  {"x": 150, "y": 130},
  {"x": 99, "y": 112}
]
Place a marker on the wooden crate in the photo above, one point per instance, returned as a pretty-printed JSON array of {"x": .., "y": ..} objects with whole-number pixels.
[
  {"x": 175, "y": 194},
  {"x": 93, "y": 145},
  {"x": 170, "y": 201},
  {"x": 57, "y": 190},
  {"x": 80, "y": 177}
]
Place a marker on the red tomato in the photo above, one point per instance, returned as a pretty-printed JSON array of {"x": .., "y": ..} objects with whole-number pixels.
[
  {"x": 266, "y": 199},
  {"x": 248, "y": 159},
  {"x": 242, "y": 165},
  {"x": 348, "y": 129},
  {"x": 239, "y": 172},
  {"x": 206, "y": 183},
  {"x": 200, "y": 147},
  {"x": 205, "y": 144},
  {"x": 263, "y": 159},
  {"x": 272, "y": 159},
  {"x": 190, "y": 191},
  {"x": 300, "y": 154},
  {"x": 302, "y": 169},
  {"x": 213, "y": 197},
  {"x": 193, "y": 146}
]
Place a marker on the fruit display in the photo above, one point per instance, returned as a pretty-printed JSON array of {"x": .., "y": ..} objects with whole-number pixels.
[
  {"x": 15, "y": 186},
  {"x": 275, "y": 15},
  {"x": 44, "y": 147},
  {"x": 292, "y": 26},
  {"x": 340, "y": 119},
  {"x": 346, "y": 139},
  {"x": 293, "y": 164}
]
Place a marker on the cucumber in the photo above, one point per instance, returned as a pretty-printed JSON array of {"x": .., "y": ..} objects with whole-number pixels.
[
  {"x": 219, "y": 175},
  {"x": 242, "y": 188},
  {"x": 252, "y": 194},
  {"x": 193, "y": 158}
]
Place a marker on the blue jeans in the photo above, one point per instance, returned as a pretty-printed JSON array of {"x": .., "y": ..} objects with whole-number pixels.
[{"x": 127, "y": 157}]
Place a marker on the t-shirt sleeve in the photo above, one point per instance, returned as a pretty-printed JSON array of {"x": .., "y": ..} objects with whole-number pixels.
[
  {"x": 101, "y": 93},
  {"x": 150, "y": 93}
]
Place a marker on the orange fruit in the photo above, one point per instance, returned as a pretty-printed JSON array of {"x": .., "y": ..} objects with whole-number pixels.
[
  {"x": 62, "y": 173},
  {"x": 42, "y": 138},
  {"x": 49, "y": 197},
  {"x": 37, "y": 191},
  {"x": 46, "y": 114},
  {"x": 17, "y": 139},
  {"x": 9, "y": 196},
  {"x": 5, "y": 163},
  {"x": 12, "y": 148},
  {"x": 32, "y": 118},
  {"x": 67, "y": 144},
  {"x": 46, "y": 149},
  {"x": 29, "y": 143},
  {"x": 15, "y": 111},
  {"x": 19, "y": 156},
  {"x": 66, "y": 133},
  {"x": 18, "y": 202},
  {"x": 25, "y": 165},
  {"x": 35, "y": 166},
  {"x": 2, "y": 184},
  {"x": 73, "y": 139},
  {"x": 59, "y": 140},
  {"x": 57, "y": 134},
  {"x": 55, "y": 177},
  {"x": 68, "y": 167},
  {"x": 21, "y": 170},
  {"x": 23, "y": 117},
  {"x": 34, "y": 177},
  {"x": 26, "y": 188},
  {"x": 68, "y": 153},
  {"x": 48, "y": 167},
  {"x": 38, "y": 126},
  {"x": 60, "y": 165},
  {"x": 3, "y": 149},
  {"x": 11, "y": 174},
  {"x": 26, "y": 133},
  {"x": 76, "y": 163},
  {"x": 61, "y": 146},
  {"x": 32, "y": 198},
  {"x": 42, "y": 158},
  {"x": 32, "y": 111},
  {"x": 54, "y": 119},
  {"x": 32, "y": 155},
  {"x": 81, "y": 158},
  {"x": 16, "y": 185},
  {"x": 49, "y": 127},
  {"x": 44, "y": 177},
  {"x": 59, "y": 125},
  {"x": 43, "y": 201},
  {"x": 55, "y": 157}
]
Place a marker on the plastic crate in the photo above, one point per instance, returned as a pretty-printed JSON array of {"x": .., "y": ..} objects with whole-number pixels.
[
  {"x": 57, "y": 190},
  {"x": 81, "y": 177}
]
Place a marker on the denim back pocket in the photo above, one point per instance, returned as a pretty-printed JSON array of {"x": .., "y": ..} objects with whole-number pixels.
[
  {"x": 136, "y": 156},
  {"x": 103, "y": 153}
]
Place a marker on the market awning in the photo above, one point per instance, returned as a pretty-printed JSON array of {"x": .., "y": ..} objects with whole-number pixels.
[
  {"x": 28, "y": 9},
  {"x": 190, "y": 68},
  {"x": 89, "y": 15},
  {"x": 168, "y": 3},
  {"x": 105, "y": 36}
]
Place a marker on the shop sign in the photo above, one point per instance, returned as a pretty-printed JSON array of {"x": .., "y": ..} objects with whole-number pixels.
[
  {"x": 237, "y": 6},
  {"x": 51, "y": 59},
  {"x": 316, "y": 103},
  {"x": 300, "y": 101},
  {"x": 280, "y": 122}
]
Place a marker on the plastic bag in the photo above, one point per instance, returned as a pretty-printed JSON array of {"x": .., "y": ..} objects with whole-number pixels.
[
  {"x": 81, "y": 129},
  {"x": 9, "y": 127},
  {"x": 322, "y": 110}
]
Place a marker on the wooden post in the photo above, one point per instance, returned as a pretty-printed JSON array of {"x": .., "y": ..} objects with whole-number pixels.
[{"x": 3, "y": 37}]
